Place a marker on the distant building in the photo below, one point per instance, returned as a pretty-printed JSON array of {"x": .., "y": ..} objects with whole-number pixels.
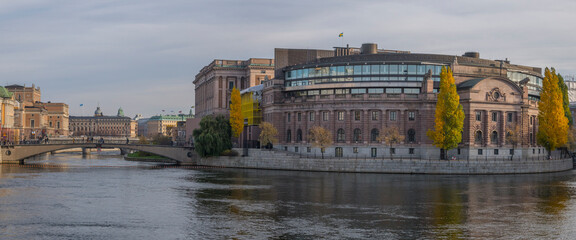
[
  {"x": 101, "y": 125},
  {"x": 163, "y": 124},
  {"x": 7, "y": 130},
  {"x": 35, "y": 119},
  {"x": 214, "y": 82},
  {"x": 143, "y": 126}
]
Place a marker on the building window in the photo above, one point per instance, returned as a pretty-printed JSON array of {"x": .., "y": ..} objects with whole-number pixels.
[
  {"x": 392, "y": 150},
  {"x": 299, "y": 135},
  {"x": 50, "y": 124},
  {"x": 31, "y": 122},
  {"x": 494, "y": 117},
  {"x": 339, "y": 152},
  {"x": 357, "y": 115},
  {"x": 478, "y": 137},
  {"x": 374, "y": 135},
  {"x": 459, "y": 151},
  {"x": 373, "y": 152},
  {"x": 288, "y": 136},
  {"x": 231, "y": 85},
  {"x": 299, "y": 117},
  {"x": 374, "y": 115},
  {"x": 357, "y": 135},
  {"x": 340, "y": 116},
  {"x": 479, "y": 151},
  {"x": 355, "y": 149},
  {"x": 411, "y": 116},
  {"x": 308, "y": 149},
  {"x": 510, "y": 117},
  {"x": 288, "y": 117},
  {"x": 411, "y": 135},
  {"x": 511, "y": 151},
  {"x": 340, "y": 136},
  {"x": 410, "y": 150},
  {"x": 325, "y": 116},
  {"x": 478, "y": 116},
  {"x": 392, "y": 116},
  {"x": 311, "y": 116},
  {"x": 295, "y": 149},
  {"x": 494, "y": 137},
  {"x": 495, "y": 151}
]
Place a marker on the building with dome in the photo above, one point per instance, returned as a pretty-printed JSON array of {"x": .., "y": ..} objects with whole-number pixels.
[
  {"x": 355, "y": 93},
  {"x": 101, "y": 125}
]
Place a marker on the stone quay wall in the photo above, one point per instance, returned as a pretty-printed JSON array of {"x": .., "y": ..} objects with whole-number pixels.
[{"x": 281, "y": 160}]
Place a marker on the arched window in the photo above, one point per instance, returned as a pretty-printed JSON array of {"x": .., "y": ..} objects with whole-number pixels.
[
  {"x": 288, "y": 136},
  {"x": 374, "y": 135},
  {"x": 339, "y": 152},
  {"x": 478, "y": 137},
  {"x": 340, "y": 137},
  {"x": 357, "y": 135},
  {"x": 299, "y": 135},
  {"x": 494, "y": 137},
  {"x": 411, "y": 135}
]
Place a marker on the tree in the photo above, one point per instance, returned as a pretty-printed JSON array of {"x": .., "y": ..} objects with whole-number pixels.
[
  {"x": 321, "y": 138},
  {"x": 571, "y": 145},
  {"x": 268, "y": 134},
  {"x": 390, "y": 136},
  {"x": 213, "y": 136},
  {"x": 236, "y": 120},
  {"x": 513, "y": 136},
  {"x": 552, "y": 122},
  {"x": 449, "y": 116},
  {"x": 565, "y": 99}
]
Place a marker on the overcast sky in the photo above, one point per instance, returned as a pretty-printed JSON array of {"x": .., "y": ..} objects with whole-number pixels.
[{"x": 142, "y": 55}]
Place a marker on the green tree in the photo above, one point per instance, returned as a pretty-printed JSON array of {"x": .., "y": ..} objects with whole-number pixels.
[
  {"x": 565, "y": 99},
  {"x": 236, "y": 120},
  {"x": 390, "y": 136},
  {"x": 213, "y": 136},
  {"x": 552, "y": 121},
  {"x": 449, "y": 116},
  {"x": 321, "y": 138},
  {"x": 268, "y": 134}
]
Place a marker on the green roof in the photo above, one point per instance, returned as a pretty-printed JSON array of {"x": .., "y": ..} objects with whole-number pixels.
[
  {"x": 5, "y": 93},
  {"x": 469, "y": 84}
]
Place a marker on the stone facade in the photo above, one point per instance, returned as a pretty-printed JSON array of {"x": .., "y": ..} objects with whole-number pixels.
[
  {"x": 34, "y": 119},
  {"x": 164, "y": 124},
  {"x": 101, "y": 125},
  {"x": 356, "y": 96},
  {"x": 214, "y": 83}
]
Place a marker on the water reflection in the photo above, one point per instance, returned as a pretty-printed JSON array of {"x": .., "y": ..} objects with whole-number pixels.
[{"x": 319, "y": 205}]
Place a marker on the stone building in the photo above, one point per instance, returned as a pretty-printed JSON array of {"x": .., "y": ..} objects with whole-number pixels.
[
  {"x": 35, "y": 119},
  {"x": 7, "y": 130},
  {"x": 101, "y": 125},
  {"x": 214, "y": 82},
  {"x": 357, "y": 92},
  {"x": 163, "y": 124}
]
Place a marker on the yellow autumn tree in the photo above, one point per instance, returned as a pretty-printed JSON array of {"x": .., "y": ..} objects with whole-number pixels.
[
  {"x": 321, "y": 138},
  {"x": 268, "y": 134},
  {"x": 449, "y": 116},
  {"x": 552, "y": 123},
  {"x": 236, "y": 120}
]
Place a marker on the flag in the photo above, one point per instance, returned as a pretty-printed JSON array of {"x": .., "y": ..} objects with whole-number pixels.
[
  {"x": 341, "y": 34},
  {"x": 81, "y": 104}
]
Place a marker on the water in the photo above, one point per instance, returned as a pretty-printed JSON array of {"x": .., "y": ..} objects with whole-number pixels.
[{"x": 66, "y": 196}]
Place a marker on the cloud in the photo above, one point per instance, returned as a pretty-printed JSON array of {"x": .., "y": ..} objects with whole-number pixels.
[{"x": 144, "y": 54}]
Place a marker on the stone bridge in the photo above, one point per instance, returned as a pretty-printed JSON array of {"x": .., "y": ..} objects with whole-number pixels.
[{"x": 19, "y": 153}]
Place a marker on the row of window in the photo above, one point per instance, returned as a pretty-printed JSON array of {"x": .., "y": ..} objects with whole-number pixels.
[
  {"x": 374, "y": 69},
  {"x": 495, "y": 116},
  {"x": 519, "y": 76},
  {"x": 339, "y": 151},
  {"x": 357, "y": 91},
  {"x": 374, "y": 115},
  {"x": 356, "y": 137},
  {"x": 307, "y": 82}
]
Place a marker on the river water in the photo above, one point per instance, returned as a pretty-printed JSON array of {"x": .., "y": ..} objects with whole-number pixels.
[{"x": 67, "y": 196}]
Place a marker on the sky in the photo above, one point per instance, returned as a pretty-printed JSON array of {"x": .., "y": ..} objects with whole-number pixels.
[{"x": 142, "y": 55}]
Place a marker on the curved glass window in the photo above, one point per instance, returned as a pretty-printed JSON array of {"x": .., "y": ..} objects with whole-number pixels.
[{"x": 373, "y": 72}]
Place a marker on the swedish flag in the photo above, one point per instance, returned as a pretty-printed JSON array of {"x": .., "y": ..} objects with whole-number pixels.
[{"x": 341, "y": 34}]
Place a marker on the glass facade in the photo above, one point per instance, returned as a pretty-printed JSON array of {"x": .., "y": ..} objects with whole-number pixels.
[{"x": 360, "y": 73}]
